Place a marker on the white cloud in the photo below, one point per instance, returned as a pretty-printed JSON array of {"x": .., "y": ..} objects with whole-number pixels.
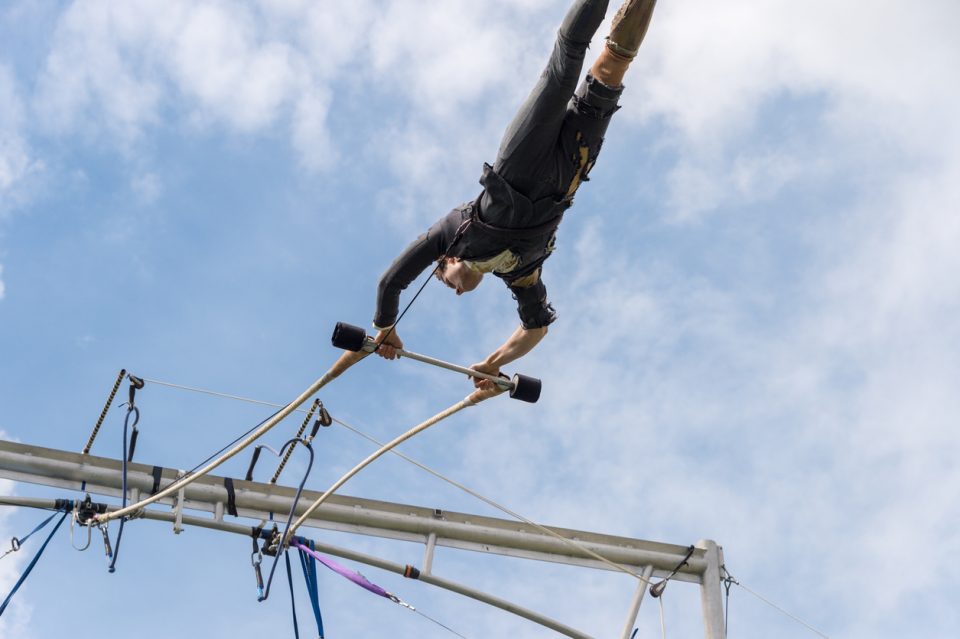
[
  {"x": 310, "y": 135},
  {"x": 869, "y": 73},
  {"x": 117, "y": 67},
  {"x": 16, "y": 162},
  {"x": 828, "y": 428},
  {"x": 147, "y": 186},
  {"x": 832, "y": 431},
  {"x": 121, "y": 69},
  {"x": 681, "y": 406},
  {"x": 446, "y": 57},
  {"x": 16, "y": 620},
  {"x": 219, "y": 61},
  {"x": 3, "y": 287}
]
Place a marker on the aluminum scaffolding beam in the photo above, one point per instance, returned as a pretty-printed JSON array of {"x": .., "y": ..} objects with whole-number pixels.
[
  {"x": 428, "y": 526},
  {"x": 389, "y": 566}
]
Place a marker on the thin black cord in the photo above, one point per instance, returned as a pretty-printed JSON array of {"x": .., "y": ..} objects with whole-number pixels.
[
  {"x": 131, "y": 410},
  {"x": 407, "y": 307},
  {"x": 204, "y": 462}
]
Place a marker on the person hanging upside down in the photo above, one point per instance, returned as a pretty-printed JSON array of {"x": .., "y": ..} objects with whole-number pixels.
[{"x": 546, "y": 153}]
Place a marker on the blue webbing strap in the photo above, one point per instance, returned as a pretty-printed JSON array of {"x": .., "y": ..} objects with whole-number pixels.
[
  {"x": 309, "y": 565},
  {"x": 293, "y": 602},
  {"x": 293, "y": 508},
  {"x": 131, "y": 410},
  {"x": 32, "y": 563}
]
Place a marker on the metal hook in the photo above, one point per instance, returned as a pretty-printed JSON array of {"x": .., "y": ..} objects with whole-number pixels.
[
  {"x": 73, "y": 520},
  {"x": 107, "y": 549}
]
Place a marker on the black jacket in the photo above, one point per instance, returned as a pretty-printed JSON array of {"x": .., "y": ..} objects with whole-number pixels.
[{"x": 500, "y": 218}]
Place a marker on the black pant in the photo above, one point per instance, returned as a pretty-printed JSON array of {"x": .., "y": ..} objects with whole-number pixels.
[{"x": 540, "y": 151}]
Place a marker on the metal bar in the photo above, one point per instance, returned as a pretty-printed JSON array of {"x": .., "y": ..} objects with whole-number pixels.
[
  {"x": 370, "y": 345},
  {"x": 711, "y": 597},
  {"x": 178, "y": 507},
  {"x": 637, "y": 600},
  {"x": 68, "y": 470},
  {"x": 428, "y": 554},
  {"x": 344, "y": 553}
]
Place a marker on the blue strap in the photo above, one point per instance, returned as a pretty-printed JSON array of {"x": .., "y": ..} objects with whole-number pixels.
[
  {"x": 309, "y": 565},
  {"x": 293, "y": 602},
  {"x": 32, "y": 563},
  {"x": 131, "y": 410},
  {"x": 293, "y": 508}
]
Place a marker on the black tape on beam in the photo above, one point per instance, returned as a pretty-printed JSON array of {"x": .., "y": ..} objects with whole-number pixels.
[
  {"x": 157, "y": 476},
  {"x": 231, "y": 496}
]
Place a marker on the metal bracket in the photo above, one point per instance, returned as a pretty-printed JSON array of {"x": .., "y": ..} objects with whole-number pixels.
[
  {"x": 428, "y": 554},
  {"x": 178, "y": 506}
]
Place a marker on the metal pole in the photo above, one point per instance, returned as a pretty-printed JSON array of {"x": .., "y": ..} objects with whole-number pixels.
[
  {"x": 637, "y": 600},
  {"x": 428, "y": 553},
  {"x": 461, "y": 531},
  {"x": 371, "y": 346},
  {"x": 344, "y": 553},
  {"x": 711, "y": 597}
]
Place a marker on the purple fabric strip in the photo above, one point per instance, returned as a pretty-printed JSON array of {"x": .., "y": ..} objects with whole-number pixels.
[{"x": 352, "y": 575}]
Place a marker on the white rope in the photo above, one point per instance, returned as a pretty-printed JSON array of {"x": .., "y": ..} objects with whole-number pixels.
[
  {"x": 781, "y": 610},
  {"x": 327, "y": 377},
  {"x": 663, "y": 623},
  {"x": 204, "y": 391},
  {"x": 464, "y": 403},
  {"x": 569, "y": 542},
  {"x": 429, "y": 618}
]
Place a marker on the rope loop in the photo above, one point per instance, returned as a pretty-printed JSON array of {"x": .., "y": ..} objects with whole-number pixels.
[
  {"x": 281, "y": 539},
  {"x": 128, "y": 448}
]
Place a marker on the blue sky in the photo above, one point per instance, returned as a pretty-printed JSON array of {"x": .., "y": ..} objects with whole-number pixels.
[{"x": 757, "y": 295}]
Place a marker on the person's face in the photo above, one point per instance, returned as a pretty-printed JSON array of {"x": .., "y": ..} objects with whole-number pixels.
[{"x": 460, "y": 277}]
